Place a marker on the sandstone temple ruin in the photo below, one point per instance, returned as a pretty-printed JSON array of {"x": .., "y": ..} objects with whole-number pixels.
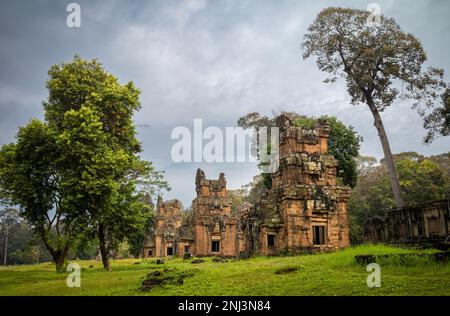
[
  {"x": 305, "y": 209},
  {"x": 428, "y": 222}
]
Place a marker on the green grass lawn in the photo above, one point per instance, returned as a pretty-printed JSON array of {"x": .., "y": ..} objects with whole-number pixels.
[{"x": 319, "y": 274}]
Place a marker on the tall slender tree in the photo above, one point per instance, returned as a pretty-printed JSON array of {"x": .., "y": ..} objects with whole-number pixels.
[{"x": 379, "y": 62}]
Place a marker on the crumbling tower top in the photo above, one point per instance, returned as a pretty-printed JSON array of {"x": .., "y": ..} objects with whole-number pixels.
[
  {"x": 171, "y": 208},
  {"x": 209, "y": 187},
  {"x": 297, "y": 139}
]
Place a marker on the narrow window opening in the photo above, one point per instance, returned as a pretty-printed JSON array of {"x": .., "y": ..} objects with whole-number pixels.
[
  {"x": 215, "y": 246},
  {"x": 420, "y": 228},
  {"x": 319, "y": 235},
  {"x": 271, "y": 240}
]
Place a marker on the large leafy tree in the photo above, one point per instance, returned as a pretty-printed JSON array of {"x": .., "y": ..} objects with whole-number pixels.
[
  {"x": 79, "y": 172},
  {"x": 30, "y": 177},
  {"x": 380, "y": 63},
  {"x": 93, "y": 116}
]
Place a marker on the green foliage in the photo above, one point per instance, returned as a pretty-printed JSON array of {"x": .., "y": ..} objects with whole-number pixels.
[
  {"x": 23, "y": 247},
  {"x": 136, "y": 239},
  {"x": 85, "y": 248},
  {"x": 356, "y": 230},
  {"x": 305, "y": 122},
  {"x": 255, "y": 189},
  {"x": 82, "y": 83},
  {"x": 237, "y": 198},
  {"x": 82, "y": 163},
  {"x": 344, "y": 144},
  {"x": 437, "y": 121},
  {"x": 28, "y": 171},
  {"x": 93, "y": 114},
  {"x": 30, "y": 177},
  {"x": 422, "y": 179}
]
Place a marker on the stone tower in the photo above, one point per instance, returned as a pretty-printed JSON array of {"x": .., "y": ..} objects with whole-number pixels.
[
  {"x": 214, "y": 227},
  {"x": 310, "y": 208},
  {"x": 168, "y": 222}
]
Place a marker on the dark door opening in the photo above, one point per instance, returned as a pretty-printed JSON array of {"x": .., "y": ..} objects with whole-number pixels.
[
  {"x": 186, "y": 249},
  {"x": 250, "y": 237},
  {"x": 319, "y": 235},
  {"x": 420, "y": 228},
  {"x": 169, "y": 251},
  {"x": 215, "y": 246},
  {"x": 271, "y": 240}
]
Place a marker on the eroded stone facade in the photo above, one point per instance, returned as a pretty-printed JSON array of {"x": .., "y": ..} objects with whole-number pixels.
[
  {"x": 168, "y": 222},
  {"x": 306, "y": 209},
  {"x": 427, "y": 222},
  {"x": 215, "y": 227}
]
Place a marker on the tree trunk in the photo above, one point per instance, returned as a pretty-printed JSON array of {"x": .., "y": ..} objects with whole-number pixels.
[
  {"x": 395, "y": 185},
  {"x": 58, "y": 255},
  {"x": 5, "y": 257},
  {"x": 59, "y": 264},
  {"x": 60, "y": 258},
  {"x": 103, "y": 248}
]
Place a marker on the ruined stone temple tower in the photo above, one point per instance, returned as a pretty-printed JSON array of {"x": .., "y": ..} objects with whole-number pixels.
[
  {"x": 164, "y": 242},
  {"x": 214, "y": 227},
  {"x": 210, "y": 230},
  {"x": 310, "y": 208},
  {"x": 305, "y": 209}
]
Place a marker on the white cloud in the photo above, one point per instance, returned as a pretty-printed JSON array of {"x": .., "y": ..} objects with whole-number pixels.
[{"x": 182, "y": 12}]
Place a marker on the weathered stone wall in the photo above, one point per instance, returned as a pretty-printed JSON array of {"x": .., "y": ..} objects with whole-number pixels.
[
  {"x": 424, "y": 222},
  {"x": 166, "y": 230},
  {"x": 212, "y": 218}
]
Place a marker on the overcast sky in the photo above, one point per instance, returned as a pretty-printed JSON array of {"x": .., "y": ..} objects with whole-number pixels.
[{"x": 216, "y": 60}]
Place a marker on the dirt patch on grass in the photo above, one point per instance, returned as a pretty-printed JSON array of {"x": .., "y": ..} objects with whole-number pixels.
[
  {"x": 286, "y": 270},
  {"x": 163, "y": 277}
]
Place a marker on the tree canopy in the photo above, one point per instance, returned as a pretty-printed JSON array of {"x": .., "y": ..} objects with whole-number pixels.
[
  {"x": 372, "y": 59},
  {"x": 82, "y": 163},
  {"x": 380, "y": 63},
  {"x": 30, "y": 177}
]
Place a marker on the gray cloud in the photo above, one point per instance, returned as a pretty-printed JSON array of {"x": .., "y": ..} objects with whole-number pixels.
[{"x": 215, "y": 60}]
